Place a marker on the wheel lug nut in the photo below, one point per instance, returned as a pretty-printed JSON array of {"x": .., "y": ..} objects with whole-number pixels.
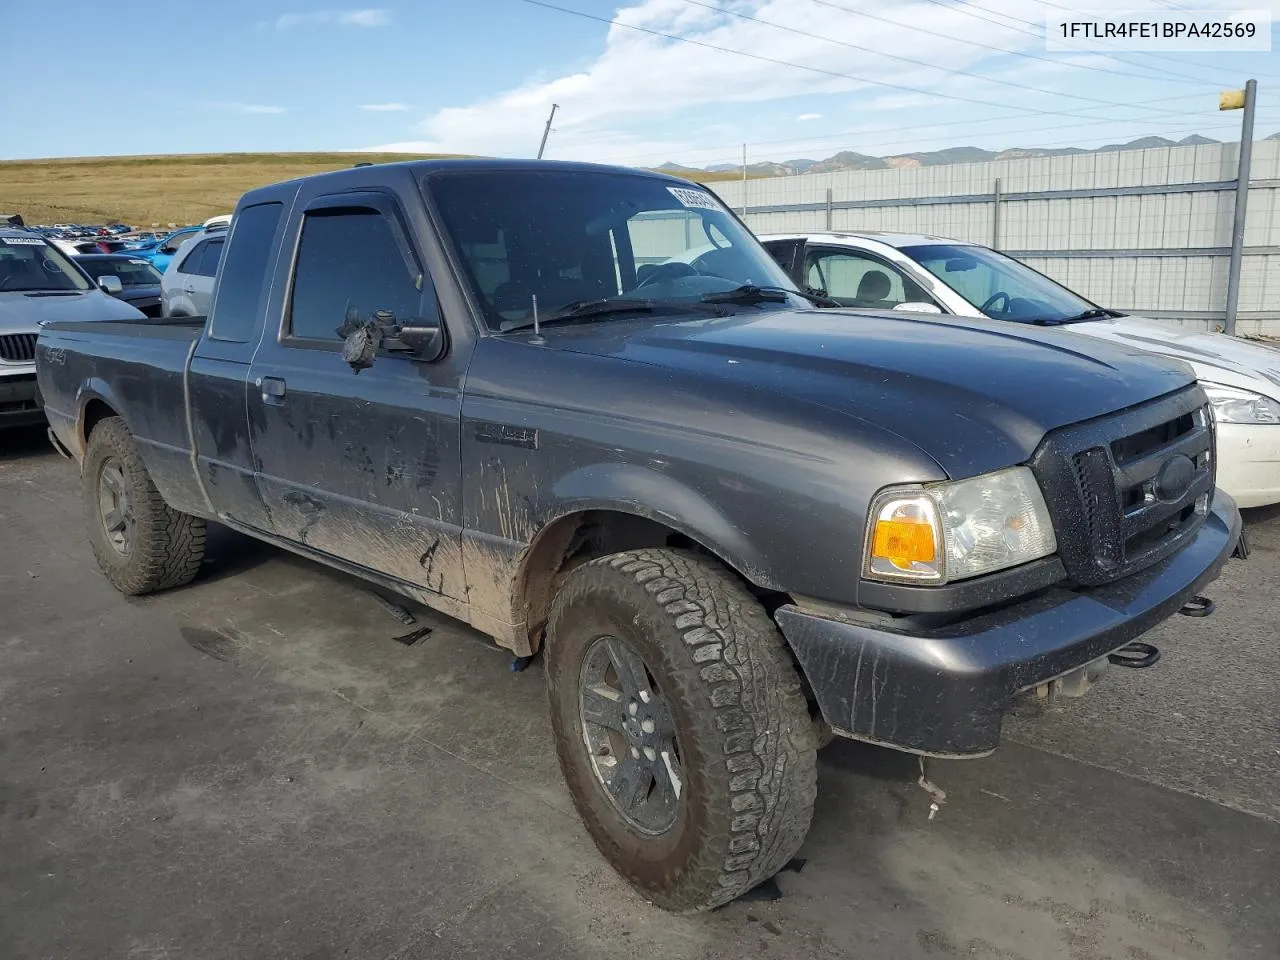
[
  {"x": 646, "y": 725},
  {"x": 635, "y": 753},
  {"x": 650, "y": 754},
  {"x": 632, "y": 708}
]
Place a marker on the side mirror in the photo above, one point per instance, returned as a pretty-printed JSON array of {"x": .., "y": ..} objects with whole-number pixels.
[
  {"x": 423, "y": 338},
  {"x": 917, "y": 307},
  {"x": 110, "y": 284}
]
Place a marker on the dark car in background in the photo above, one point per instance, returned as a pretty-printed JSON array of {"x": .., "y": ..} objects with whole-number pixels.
[{"x": 138, "y": 281}]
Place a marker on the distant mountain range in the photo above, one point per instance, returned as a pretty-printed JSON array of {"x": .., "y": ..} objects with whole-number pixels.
[{"x": 851, "y": 160}]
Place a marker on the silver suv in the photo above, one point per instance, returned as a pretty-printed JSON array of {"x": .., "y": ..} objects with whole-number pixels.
[
  {"x": 39, "y": 282},
  {"x": 187, "y": 287}
]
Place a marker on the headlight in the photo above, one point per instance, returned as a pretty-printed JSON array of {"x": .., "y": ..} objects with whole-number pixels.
[
  {"x": 1231, "y": 405},
  {"x": 953, "y": 531}
]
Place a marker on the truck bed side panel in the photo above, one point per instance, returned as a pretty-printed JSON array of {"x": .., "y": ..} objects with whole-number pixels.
[{"x": 137, "y": 370}]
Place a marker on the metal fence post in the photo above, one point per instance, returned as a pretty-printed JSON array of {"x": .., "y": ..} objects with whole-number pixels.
[
  {"x": 828, "y": 208},
  {"x": 995, "y": 216},
  {"x": 1242, "y": 202}
]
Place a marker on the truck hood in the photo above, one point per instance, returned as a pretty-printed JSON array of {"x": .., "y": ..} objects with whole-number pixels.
[
  {"x": 22, "y": 312},
  {"x": 975, "y": 395},
  {"x": 1214, "y": 357}
]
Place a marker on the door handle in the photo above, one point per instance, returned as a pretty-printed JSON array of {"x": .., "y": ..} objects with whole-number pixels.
[{"x": 273, "y": 389}]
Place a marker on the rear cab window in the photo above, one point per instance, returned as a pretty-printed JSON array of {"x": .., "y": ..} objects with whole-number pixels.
[{"x": 237, "y": 302}]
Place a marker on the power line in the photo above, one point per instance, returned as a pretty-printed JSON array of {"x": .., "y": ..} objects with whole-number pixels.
[
  {"x": 919, "y": 63},
  {"x": 1139, "y": 53},
  {"x": 1002, "y": 50},
  {"x": 969, "y": 9},
  {"x": 786, "y": 63}
]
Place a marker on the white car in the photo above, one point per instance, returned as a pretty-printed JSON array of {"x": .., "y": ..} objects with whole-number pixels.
[
  {"x": 186, "y": 289},
  {"x": 895, "y": 271}
]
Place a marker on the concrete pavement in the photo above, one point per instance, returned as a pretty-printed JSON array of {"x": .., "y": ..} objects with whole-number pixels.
[{"x": 251, "y": 767}]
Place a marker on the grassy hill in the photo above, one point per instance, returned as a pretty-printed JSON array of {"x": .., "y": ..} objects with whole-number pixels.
[{"x": 165, "y": 189}]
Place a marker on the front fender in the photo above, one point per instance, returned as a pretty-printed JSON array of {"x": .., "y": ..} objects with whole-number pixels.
[{"x": 653, "y": 495}]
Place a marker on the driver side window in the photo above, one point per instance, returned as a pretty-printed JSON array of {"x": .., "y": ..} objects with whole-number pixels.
[{"x": 853, "y": 279}]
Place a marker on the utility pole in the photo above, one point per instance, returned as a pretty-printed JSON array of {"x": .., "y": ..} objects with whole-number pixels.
[
  {"x": 744, "y": 179},
  {"x": 1244, "y": 100},
  {"x": 546, "y": 131}
]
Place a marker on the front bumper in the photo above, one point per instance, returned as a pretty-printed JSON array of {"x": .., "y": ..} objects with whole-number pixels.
[
  {"x": 944, "y": 691},
  {"x": 20, "y": 402},
  {"x": 1249, "y": 462}
]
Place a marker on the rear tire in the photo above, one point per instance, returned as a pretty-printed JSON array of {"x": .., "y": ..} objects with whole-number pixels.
[
  {"x": 140, "y": 542},
  {"x": 744, "y": 772}
]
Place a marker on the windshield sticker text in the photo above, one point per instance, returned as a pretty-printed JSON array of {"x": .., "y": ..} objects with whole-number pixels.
[
  {"x": 698, "y": 199},
  {"x": 22, "y": 241}
]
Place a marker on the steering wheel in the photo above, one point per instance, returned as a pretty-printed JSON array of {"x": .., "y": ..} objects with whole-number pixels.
[
  {"x": 668, "y": 271},
  {"x": 993, "y": 299}
]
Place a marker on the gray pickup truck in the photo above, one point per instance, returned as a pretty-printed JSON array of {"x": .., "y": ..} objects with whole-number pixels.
[{"x": 730, "y": 521}]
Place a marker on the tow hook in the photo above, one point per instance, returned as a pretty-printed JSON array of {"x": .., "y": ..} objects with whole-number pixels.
[
  {"x": 1197, "y": 607},
  {"x": 1135, "y": 655}
]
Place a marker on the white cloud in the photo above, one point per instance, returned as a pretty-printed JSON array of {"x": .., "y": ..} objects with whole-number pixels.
[
  {"x": 248, "y": 109},
  {"x": 344, "y": 18},
  {"x": 809, "y": 116},
  {"x": 384, "y": 107},
  {"x": 645, "y": 98}
]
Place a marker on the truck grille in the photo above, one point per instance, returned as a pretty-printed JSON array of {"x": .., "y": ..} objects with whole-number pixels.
[
  {"x": 18, "y": 347},
  {"x": 1127, "y": 490}
]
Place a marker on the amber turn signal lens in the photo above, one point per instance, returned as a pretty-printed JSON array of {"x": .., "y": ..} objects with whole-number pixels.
[{"x": 903, "y": 542}]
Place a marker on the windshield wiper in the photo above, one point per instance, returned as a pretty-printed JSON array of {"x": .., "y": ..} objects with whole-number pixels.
[
  {"x": 1093, "y": 313},
  {"x": 580, "y": 309},
  {"x": 750, "y": 293},
  {"x": 586, "y": 309}
]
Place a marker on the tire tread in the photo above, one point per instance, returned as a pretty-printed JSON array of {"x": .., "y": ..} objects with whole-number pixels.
[
  {"x": 168, "y": 546},
  {"x": 752, "y": 707}
]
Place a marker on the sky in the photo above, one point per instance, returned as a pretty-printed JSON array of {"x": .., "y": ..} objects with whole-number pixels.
[{"x": 639, "y": 83}]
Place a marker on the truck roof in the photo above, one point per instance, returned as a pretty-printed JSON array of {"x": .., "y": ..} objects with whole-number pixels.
[{"x": 416, "y": 167}]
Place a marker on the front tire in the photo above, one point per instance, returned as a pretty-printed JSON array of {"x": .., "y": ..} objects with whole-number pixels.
[
  {"x": 140, "y": 542},
  {"x": 680, "y": 725}
]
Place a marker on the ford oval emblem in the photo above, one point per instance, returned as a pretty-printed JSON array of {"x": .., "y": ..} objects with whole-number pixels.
[{"x": 1174, "y": 479}]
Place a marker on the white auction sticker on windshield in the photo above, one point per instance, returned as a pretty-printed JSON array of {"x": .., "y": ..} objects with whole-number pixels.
[
  {"x": 142, "y": 262},
  {"x": 699, "y": 199},
  {"x": 22, "y": 241}
]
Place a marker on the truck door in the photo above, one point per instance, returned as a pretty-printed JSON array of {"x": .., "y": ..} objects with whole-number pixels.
[
  {"x": 219, "y": 372},
  {"x": 362, "y": 467}
]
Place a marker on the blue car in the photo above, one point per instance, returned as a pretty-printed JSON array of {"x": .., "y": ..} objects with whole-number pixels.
[{"x": 161, "y": 253}]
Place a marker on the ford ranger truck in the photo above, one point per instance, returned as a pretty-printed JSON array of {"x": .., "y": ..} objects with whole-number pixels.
[{"x": 728, "y": 520}]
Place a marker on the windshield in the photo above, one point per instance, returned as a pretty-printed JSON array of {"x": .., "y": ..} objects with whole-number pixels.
[
  {"x": 573, "y": 237},
  {"x": 132, "y": 273},
  {"x": 1000, "y": 286},
  {"x": 28, "y": 263}
]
